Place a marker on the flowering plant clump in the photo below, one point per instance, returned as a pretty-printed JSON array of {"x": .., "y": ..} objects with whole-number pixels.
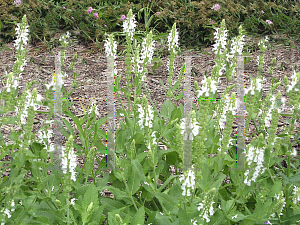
[{"x": 259, "y": 193}]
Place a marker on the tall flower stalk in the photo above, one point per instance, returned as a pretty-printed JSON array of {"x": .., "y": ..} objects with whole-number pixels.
[
  {"x": 172, "y": 44},
  {"x": 68, "y": 166}
]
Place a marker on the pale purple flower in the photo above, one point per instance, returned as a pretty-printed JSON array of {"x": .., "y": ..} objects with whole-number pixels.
[
  {"x": 105, "y": 25},
  {"x": 269, "y": 22},
  {"x": 95, "y": 15},
  {"x": 262, "y": 11},
  {"x": 17, "y": 2},
  {"x": 216, "y": 7},
  {"x": 90, "y": 9},
  {"x": 211, "y": 21},
  {"x": 64, "y": 7},
  {"x": 123, "y": 17},
  {"x": 72, "y": 17}
]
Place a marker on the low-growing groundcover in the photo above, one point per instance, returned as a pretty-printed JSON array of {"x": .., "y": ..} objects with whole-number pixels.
[{"x": 196, "y": 196}]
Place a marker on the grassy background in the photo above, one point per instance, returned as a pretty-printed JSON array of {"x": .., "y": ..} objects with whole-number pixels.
[{"x": 49, "y": 19}]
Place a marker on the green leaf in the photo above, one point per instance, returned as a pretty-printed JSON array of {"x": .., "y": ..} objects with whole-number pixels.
[
  {"x": 167, "y": 182},
  {"x": 160, "y": 36},
  {"x": 172, "y": 157},
  {"x": 161, "y": 220},
  {"x": 183, "y": 217},
  {"x": 168, "y": 202},
  {"x": 129, "y": 122},
  {"x": 157, "y": 64},
  {"x": 139, "y": 217},
  {"x": 82, "y": 121},
  {"x": 139, "y": 169},
  {"x": 176, "y": 114},
  {"x": 97, "y": 216},
  {"x": 236, "y": 179},
  {"x": 14, "y": 135},
  {"x": 148, "y": 193},
  {"x": 239, "y": 217},
  {"x": 125, "y": 91},
  {"x": 292, "y": 180},
  {"x": 166, "y": 109},
  {"x": 140, "y": 157},
  {"x": 68, "y": 125},
  {"x": 133, "y": 182},
  {"x": 101, "y": 121},
  {"x": 89, "y": 203},
  {"x": 77, "y": 122},
  {"x": 228, "y": 206},
  {"x": 139, "y": 138},
  {"x": 65, "y": 133},
  {"x": 82, "y": 137},
  {"x": 217, "y": 184},
  {"x": 78, "y": 146},
  {"x": 292, "y": 218},
  {"x": 168, "y": 134},
  {"x": 180, "y": 96},
  {"x": 102, "y": 163}
]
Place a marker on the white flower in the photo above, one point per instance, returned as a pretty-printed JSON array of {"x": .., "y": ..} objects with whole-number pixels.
[
  {"x": 173, "y": 38},
  {"x": 110, "y": 46},
  {"x": 209, "y": 85},
  {"x": 193, "y": 125},
  {"x": 69, "y": 161},
  {"x": 95, "y": 109},
  {"x": 235, "y": 216},
  {"x": 257, "y": 156},
  {"x": 73, "y": 201},
  {"x": 294, "y": 153},
  {"x": 220, "y": 41},
  {"x": 294, "y": 82},
  {"x": 7, "y": 212},
  {"x": 129, "y": 25},
  {"x": 149, "y": 117},
  {"x": 296, "y": 193},
  {"x": 258, "y": 86},
  {"x": 189, "y": 182},
  {"x": 194, "y": 222},
  {"x": 147, "y": 51}
]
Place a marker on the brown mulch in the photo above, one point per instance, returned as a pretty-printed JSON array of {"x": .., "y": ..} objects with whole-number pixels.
[{"x": 40, "y": 67}]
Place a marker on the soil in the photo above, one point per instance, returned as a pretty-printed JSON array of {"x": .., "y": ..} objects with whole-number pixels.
[{"x": 91, "y": 64}]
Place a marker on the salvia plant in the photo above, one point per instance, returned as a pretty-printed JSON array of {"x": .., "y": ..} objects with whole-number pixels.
[{"x": 259, "y": 194}]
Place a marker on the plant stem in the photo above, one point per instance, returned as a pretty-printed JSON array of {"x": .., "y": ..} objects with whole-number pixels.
[
  {"x": 121, "y": 102},
  {"x": 130, "y": 195},
  {"x": 288, "y": 175},
  {"x": 271, "y": 175},
  {"x": 255, "y": 126}
]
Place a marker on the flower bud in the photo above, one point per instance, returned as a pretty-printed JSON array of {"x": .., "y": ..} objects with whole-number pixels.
[
  {"x": 132, "y": 150},
  {"x": 119, "y": 219},
  {"x": 286, "y": 81},
  {"x": 279, "y": 206},
  {"x": 57, "y": 202},
  {"x": 90, "y": 207}
]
